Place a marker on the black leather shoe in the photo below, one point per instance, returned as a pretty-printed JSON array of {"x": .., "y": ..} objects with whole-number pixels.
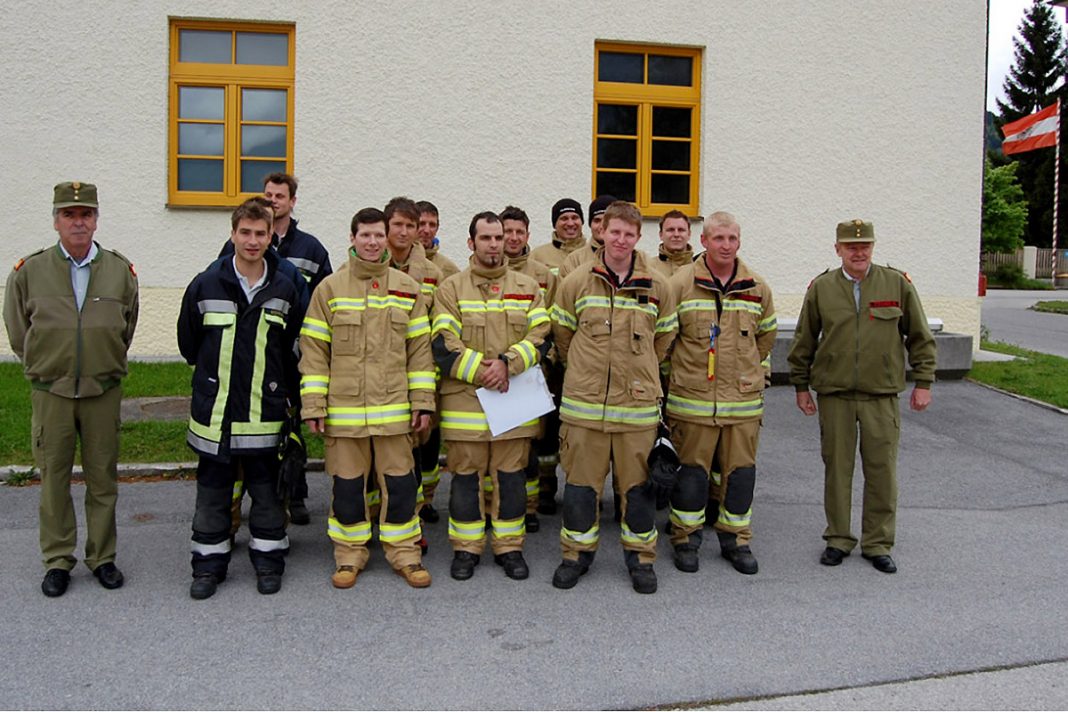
[
  {"x": 109, "y": 575},
  {"x": 547, "y": 506},
  {"x": 429, "y": 515},
  {"x": 741, "y": 557},
  {"x": 686, "y": 558},
  {"x": 203, "y": 586},
  {"x": 463, "y": 565},
  {"x": 268, "y": 583},
  {"x": 832, "y": 556},
  {"x": 882, "y": 562},
  {"x": 567, "y": 573},
  {"x": 515, "y": 567},
  {"x": 55, "y": 582},
  {"x": 533, "y": 524},
  {"x": 643, "y": 578},
  {"x": 298, "y": 512}
]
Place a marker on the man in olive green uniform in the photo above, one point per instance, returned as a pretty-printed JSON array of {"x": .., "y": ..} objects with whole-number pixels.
[
  {"x": 856, "y": 324},
  {"x": 70, "y": 312}
]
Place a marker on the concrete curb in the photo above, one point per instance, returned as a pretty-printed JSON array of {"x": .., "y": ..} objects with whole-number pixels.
[
  {"x": 1017, "y": 396},
  {"x": 131, "y": 469}
]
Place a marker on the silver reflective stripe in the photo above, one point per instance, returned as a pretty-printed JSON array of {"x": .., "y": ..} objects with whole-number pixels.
[
  {"x": 217, "y": 305},
  {"x": 268, "y": 544},
  {"x": 201, "y": 444},
  {"x": 251, "y": 442},
  {"x": 277, "y": 304},
  {"x": 306, "y": 265},
  {"x": 223, "y": 547}
]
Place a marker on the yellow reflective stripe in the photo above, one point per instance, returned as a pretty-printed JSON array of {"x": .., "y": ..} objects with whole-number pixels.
[
  {"x": 527, "y": 352},
  {"x": 479, "y": 306},
  {"x": 369, "y": 415},
  {"x": 590, "y": 536},
  {"x": 205, "y": 431},
  {"x": 393, "y": 533},
  {"x": 622, "y": 301},
  {"x": 316, "y": 329},
  {"x": 767, "y": 324},
  {"x": 487, "y": 483},
  {"x": 632, "y": 537},
  {"x": 742, "y": 305},
  {"x": 591, "y": 301},
  {"x": 467, "y": 531},
  {"x": 431, "y": 477},
  {"x": 265, "y": 427},
  {"x": 275, "y": 319},
  {"x": 637, "y": 415},
  {"x": 378, "y": 301},
  {"x": 427, "y": 288},
  {"x": 259, "y": 368},
  {"x": 239, "y": 490},
  {"x": 359, "y": 533},
  {"x": 374, "y": 498},
  {"x": 219, "y": 318},
  {"x": 533, "y": 488},
  {"x": 314, "y": 384},
  {"x": 734, "y": 520},
  {"x": 463, "y": 420},
  {"x": 689, "y": 406},
  {"x": 563, "y": 317},
  {"x": 417, "y": 327},
  {"x": 213, "y": 430},
  {"x": 347, "y": 304},
  {"x": 537, "y": 317},
  {"x": 696, "y": 305},
  {"x": 667, "y": 323},
  {"x": 468, "y": 365},
  {"x": 425, "y": 380},
  {"x": 683, "y": 518},
  {"x": 766, "y": 363},
  {"x": 503, "y": 528},
  {"x": 715, "y": 477},
  {"x": 446, "y": 321}
]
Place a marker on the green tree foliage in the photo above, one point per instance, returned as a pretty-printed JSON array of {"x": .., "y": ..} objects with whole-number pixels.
[
  {"x": 1031, "y": 84},
  {"x": 1004, "y": 209}
]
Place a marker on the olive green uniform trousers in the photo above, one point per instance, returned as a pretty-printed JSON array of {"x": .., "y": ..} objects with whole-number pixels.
[
  {"x": 877, "y": 420},
  {"x": 58, "y": 424}
]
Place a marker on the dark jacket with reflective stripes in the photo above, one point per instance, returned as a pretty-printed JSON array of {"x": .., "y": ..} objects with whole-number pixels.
[
  {"x": 244, "y": 356},
  {"x": 302, "y": 250}
]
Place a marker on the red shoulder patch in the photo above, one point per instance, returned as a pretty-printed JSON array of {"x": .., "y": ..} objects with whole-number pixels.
[
  {"x": 18, "y": 265},
  {"x": 429, "y": 280},
  {"x": 398, "y": 293},
  {"x": 907, "y": 277},
  {"x": 132, "y": 271},
  {"x": 876, "y": 305},
  {"x": 747, "y": 297},
  {"x": 527, "y": 297}
]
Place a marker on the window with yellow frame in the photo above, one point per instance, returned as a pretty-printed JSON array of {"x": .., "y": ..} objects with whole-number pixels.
[
  {"x": 231, "y": 109},
  {"x": 646, "y": 125}
]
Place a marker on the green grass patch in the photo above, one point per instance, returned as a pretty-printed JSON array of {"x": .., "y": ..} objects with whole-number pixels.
[
  {"x": 1052, "y": 306},
  {"x": 1035, "y": 375},
  {"x": 157, "y": 379}
]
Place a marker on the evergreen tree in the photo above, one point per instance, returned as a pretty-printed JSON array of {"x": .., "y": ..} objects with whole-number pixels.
[{"x": 1032, "y": 83}]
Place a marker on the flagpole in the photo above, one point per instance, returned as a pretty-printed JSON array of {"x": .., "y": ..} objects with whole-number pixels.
[{"x": 1056, "y": 195}]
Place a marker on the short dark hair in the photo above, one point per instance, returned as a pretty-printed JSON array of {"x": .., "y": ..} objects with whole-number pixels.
[
  {"x": 673, "y": 214},
  {"x": 280, "y": 178},
  {"x": 367, "y": 216},
  {"x": 253, "y": 209},
  {"x": 403, "y": 205},
  {"x": 487, "y": 215},
  {"x": 425, "y": 206},
  {"x": 513, "y": 213}
]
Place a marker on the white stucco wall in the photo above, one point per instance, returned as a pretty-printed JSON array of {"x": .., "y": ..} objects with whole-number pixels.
[{"x": 812, "y": 113}]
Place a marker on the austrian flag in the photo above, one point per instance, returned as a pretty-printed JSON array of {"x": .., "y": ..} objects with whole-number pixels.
[{"x": 1039, "y": 130}]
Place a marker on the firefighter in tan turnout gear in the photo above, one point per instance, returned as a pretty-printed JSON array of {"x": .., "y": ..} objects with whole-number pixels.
[
  {"x": 367, "y": 384},
  {"x": 489, "y": 325},
  {"x": 613, "y": 322},
  {"x": 715, "y": 398}
]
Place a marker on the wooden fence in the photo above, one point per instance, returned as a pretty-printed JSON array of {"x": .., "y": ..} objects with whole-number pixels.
[{"x": 1043, "y": 261}]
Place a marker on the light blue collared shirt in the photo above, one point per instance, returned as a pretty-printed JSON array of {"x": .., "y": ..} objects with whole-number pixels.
[
  {"x": 79, "y": 272},
  {"x": 251, "y": 289},
  {"x": 856, "y": 286}
]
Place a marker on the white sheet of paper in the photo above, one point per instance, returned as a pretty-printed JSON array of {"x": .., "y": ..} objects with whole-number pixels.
[{"x": 527, "y": 398}]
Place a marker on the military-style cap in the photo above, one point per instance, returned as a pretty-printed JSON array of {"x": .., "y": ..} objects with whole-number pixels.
[
  {"x": 73, "y": 193},
  {"x": 855, "y": 231}
]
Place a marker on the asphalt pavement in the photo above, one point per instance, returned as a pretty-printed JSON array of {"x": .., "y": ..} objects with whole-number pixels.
[
  {"x": 1007, "y": 316},
  {"x": 974, "y": 618}
]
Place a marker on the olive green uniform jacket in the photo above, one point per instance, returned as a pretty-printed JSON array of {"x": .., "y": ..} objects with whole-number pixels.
[{"x": 840, "y": 349}]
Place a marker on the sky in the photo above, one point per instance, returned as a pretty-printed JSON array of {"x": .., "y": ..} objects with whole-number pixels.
[{"x": 1005, "y": 17}]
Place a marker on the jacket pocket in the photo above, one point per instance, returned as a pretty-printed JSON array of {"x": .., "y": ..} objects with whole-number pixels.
[{"x": 347, "y": 337}]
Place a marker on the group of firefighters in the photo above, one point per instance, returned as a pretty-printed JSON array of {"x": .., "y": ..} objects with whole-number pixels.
[{"x": 383, "y": 358}]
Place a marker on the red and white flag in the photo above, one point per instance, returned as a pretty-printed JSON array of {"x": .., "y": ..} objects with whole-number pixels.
[{"x": 1039, "y": 130}]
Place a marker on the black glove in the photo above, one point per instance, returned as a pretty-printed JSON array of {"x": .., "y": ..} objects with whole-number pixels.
[
  {"x": 292, "y": 457},
  {"x": 663, "y": 467}
]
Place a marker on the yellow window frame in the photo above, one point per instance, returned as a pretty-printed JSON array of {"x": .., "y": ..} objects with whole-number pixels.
[
  {"x": 647, "y": 97},
  {"x": 232, "y": 78}
]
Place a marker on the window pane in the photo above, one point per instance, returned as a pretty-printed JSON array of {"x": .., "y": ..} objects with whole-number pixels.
[
  {"x": 621, "y": 185},
  {"x": 210, "y": 46},
  {"x": 263, "y": 48},
  {"x": 615, "y": 119},
  {"x": 263, "y": 104},
  {"x": 669, "y": 121},
  {"x": 253, "y": 173},
  {"x": 201, "y": 102},
  {"x": 267, "y": 141},
  {"x": 674, "y": 71},
  {"x": 200, "y": 139},
  {"x": 621, "y": 67},
  {"x": 617, "y": 153},
  {"x": 200, "y": 174},
  {"x": 671, "y": 155},
  {"x": 671, "y": 189}
]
